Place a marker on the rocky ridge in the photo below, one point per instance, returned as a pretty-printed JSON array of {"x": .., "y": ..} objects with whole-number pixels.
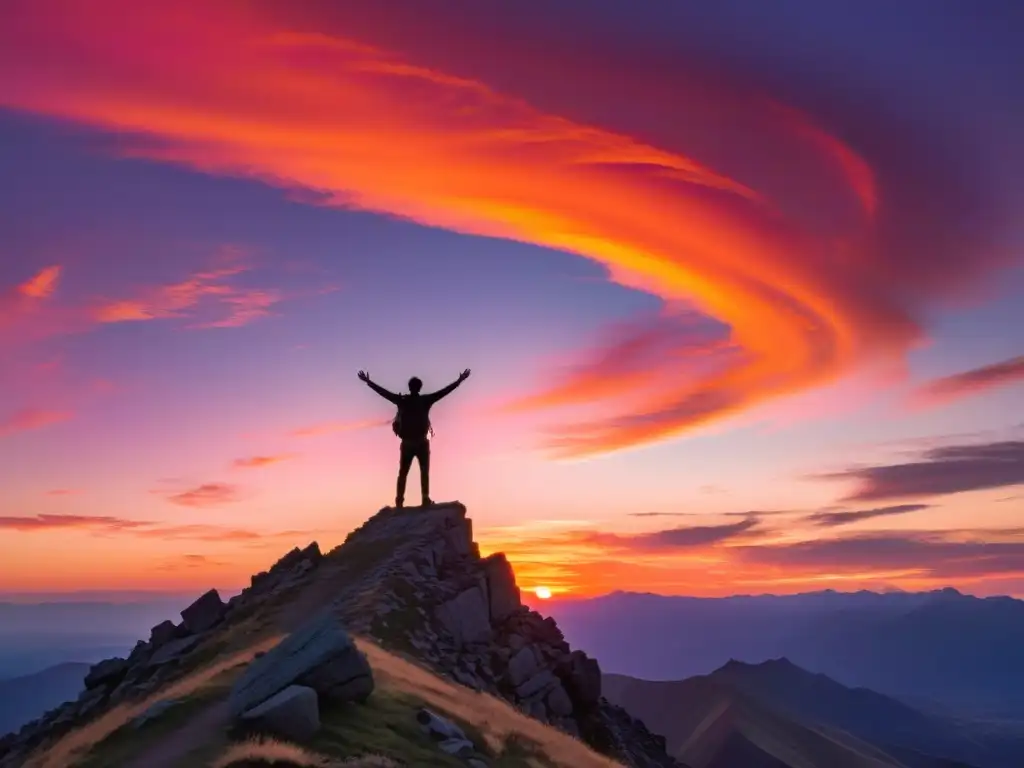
[{"x": 414, "y": 581}]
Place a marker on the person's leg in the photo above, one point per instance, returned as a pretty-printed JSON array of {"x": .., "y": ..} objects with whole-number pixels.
[
  {"x": 405, "y": 454},
  {"x": 423, "y": 456}
]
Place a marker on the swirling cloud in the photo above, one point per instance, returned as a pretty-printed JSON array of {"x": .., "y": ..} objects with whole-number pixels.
[{"x": 790, "y": 248}]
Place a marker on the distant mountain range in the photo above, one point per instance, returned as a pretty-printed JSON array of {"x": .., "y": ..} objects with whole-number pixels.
[
  {"x": 34, "y": 636},
  {"x": 943, "y": 652},
  {"x": 27, "y": 697},
  {"x": 777, "y": 715}
]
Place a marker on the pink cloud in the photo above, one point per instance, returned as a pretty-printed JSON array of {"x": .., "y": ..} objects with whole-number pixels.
[
  {"x": 205, "y": 495},
  {"x": 106, "y": 525},
  {"x": 333, "y": 427},
  {"x": 972, "y": 382},
  {"x": 32, "y": 418},
  {"x": 257, "y": 462},
  {"x": 42, "y": 285},
  {"x": 211, "y": 290}
]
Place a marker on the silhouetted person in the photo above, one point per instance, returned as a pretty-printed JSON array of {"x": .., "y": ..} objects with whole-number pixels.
[{"x": 412, "y": 425}]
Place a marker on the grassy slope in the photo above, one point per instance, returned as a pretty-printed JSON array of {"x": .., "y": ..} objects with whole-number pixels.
[{"x": 385, "y": 726}]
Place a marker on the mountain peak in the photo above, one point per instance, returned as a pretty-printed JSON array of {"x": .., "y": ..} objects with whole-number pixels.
[
  {"x": 781, "y": 664},
  {"x": 411, "y": 580}
]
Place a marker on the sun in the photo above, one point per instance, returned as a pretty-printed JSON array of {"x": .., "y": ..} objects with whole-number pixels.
[{"x": 542, "y": 592}]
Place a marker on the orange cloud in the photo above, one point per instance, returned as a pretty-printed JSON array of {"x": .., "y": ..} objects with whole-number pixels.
[
  {"x": 237, "y": 306},
  {"x": 188, "y": 562},
  {"x": 370, "y": 128},
  {"x": 50, "y": 522},
  {"x": 255, "y": 462},
  {"x": 967, "y": 383},
  {"x": 722, "y": 560},
  {"x": 106, "y": 525},
  {"x": 333, "y": 427},
  {"x": 21, "y": 305},
  {"x": 205, "y": 495},
  {"x": 42, "y": 285},
  {"x": 31, "y": 418}
]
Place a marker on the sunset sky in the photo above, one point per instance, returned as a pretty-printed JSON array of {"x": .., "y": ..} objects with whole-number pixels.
[{"x": 740, "y": 285}]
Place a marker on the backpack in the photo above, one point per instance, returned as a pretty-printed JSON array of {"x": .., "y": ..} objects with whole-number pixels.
[{"x": 396, "y": 425}]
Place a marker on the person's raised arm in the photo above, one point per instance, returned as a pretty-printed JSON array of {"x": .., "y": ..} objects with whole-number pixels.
[
  {"x": 433, "y": 397},
  {"x": 364, "y": 376}
]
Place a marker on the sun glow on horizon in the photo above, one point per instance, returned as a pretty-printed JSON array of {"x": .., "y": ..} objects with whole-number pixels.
[{"x": 543, "y": 593}]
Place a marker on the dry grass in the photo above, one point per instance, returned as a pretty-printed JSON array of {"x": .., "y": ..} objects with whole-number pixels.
[
  {"x": 498, "y": 723},
  {"x": 496, "y": 720},
  {"x": 271, "y": 751},
  {"x": 78, "y": 742}
]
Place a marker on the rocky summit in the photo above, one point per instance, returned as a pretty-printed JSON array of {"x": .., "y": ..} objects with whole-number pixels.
[{"x": 411, "y": 580}]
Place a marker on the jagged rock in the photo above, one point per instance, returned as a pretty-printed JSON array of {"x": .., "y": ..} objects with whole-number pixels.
[
  {"x": 522, "y": 666},
  {"x": 108, "y": 671},
  {"x": 558, "y": 701},
  {"x": 140, "y": 652},
  {"x": 502, "y": 592},
  {"x": 88, "y": 700},
  {"x": 173, "y": 650},
  {"x": 162, "y": 633},
  {"x": 581, "y": 676},
  {"x": 542, "y": 681},
  {"x": 466, "y": 617},
  {"x": 205, "y": 613},
  {"x": 459, "y": 538},
  {"x": 292, "y": 713},
  {"x": 296, "y": 556},
  {"x": 457, "y": 611},
  {"x": 315, "y": 645}
]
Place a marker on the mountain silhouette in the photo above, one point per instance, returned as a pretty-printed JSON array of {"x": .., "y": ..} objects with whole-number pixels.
[
  {"x": 26, "y": 697},
  {"x": 782, "y": 694},
  {"x": 942, "y": 650}
]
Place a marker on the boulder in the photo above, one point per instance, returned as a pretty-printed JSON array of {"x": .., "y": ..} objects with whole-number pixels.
[
  {"x": 347, "y": 677},
  {"x": 502, "y": 593},
  {"x": 162, "y": 633},
  {"x": 459, "y": 537},
  {"x": 173, "y": 650},
  {"x": 312, "y": 647},
  {"x": 439, "y": 728},
  {"x": 466, "y": 616},
  {"x": 456, "y": 746},
  {"x": 140, "y": 652},
  {"x": 205, "y": 613},
  {"x": 558, "y": 701},
  {"x": 581, "y": 676},
  {"x": 539, "y": 682},
  {"x": 522, "y": 666},
  {"x": 106, "y": 672},
  {"x": 292, "y": 713}
]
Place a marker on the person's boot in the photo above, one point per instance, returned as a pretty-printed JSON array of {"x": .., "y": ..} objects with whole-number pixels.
[
  {"x": 399, "y": 503},
  {"x": 427, "y": 502}
]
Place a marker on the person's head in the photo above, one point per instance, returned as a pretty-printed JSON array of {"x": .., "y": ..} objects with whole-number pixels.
[{"x": 415, "y": 385}]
